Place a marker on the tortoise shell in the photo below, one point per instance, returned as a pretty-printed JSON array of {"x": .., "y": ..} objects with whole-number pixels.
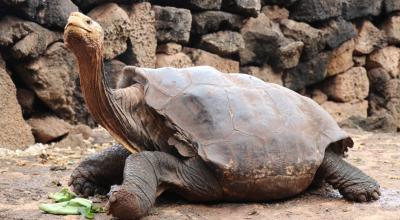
[{"x": 248, "y": 131}]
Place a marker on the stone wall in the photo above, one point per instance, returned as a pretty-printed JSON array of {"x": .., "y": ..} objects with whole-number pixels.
[{"x": 341, "y": 53}]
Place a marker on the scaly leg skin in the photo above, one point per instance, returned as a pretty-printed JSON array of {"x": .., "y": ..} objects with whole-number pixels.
[
  {"x": 96, "y": 173},
  {"x": 352, "y": 183},
  {"x": 148, "y": 174}
]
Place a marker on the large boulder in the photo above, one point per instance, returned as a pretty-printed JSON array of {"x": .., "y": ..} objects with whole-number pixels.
[
  {"x": 275, "y": 12},
  {"x": 355, "y": 8},
  {"x": 201, "y": 58},
  {"x": 246, "y": 7},
  {"x": 387, "y": 58},
  {"x": 369, "y": 39},
  {"x": 387, "y": 102},
  {"x": 173, "y": 24},
  {"x": 391, "y": 5},
  {"x": 265, "y": 73},
  {"x": 15, "y": 133},
  {"x": 204, "y": 4},
  {"x": 26, "y": 99},
  {"x": 315, "y": 10},
  {"x": 178, "y": 60},
  {"x": 265, "y": 43},
  {"x": 342, "y": 58},
  {"x": 280, "y": 2},
  {"x": 288, "y": 54},
  {"x": 378, "y": 78},
  {"x": 224, "y": 43},
  {"x": 52, "y": 13},
  {"x": 53, "y": 77},
  {"x": 117, "y": 28},
  {"x": 348, "y": 86},
  {"x": 212, "y": 21},
  {"x": 86, "y": 5},
  {"x": 307, "y": 73},
  {"x": 26, "y": 39},
  {"x": 48, "y": 129},
  {"x": 169, "y": 48},
  {"x": 312, "y": 38},
  {"x": 392, "y": 29},
  {"x": 194, "y": 5},
  {"x": 338, "y": 31},
  {"x": 343, "y": 111},
  {"x": 143, "y": 42}
]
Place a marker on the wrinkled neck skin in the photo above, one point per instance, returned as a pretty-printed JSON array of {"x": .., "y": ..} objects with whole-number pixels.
[{"x": 99, "y": 98}]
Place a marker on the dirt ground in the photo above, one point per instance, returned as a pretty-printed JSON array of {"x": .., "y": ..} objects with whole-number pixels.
[{"x": 27, "y": 177}]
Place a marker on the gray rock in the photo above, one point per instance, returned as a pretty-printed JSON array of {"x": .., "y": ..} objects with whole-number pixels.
[
  {"x": 265, "y": 73},
  {"x": 338, "y": 31},
  {"x": 89, "y": 4},
  {"x": 49, "y": 128},
  {"x": 387, "y": 103},
  {"x": 315, "y": 10},
  {"x": 387, "y": 58},
  {"x": 355, "y": 8},
  {"x": 378, "y": 78},
  {"x": 275, "y": 12},
  {"x": 307, "y": 73},
  {"x": 224, "y": 43},
  {"x": 173, "y": 24},
  {"x": 141, "y": 51},
  {"x": 55, "y": 13},
  {"x": 313, "y": 39},
  {"x": 53, "y": 77},
  {"x": 288, "y": 54},
  {"x": 262, "y": 39},
  {"x": 47, "y": 13},
  {"x": 204, "y": 4},
  {"x": 341, "y": 58},
  {"x": 116, "y": 26},
  {"x": 212, "y": 21},
  {"x": 169, "y": 48},
  {"x": 15, "y": 133},
  {"x": 246, "y": 7},
  {"x": 178, "y": 60},
  {"x": 349, "y": 86},
  {"x": 26, "y": 39},
  {"x": 391, "y": 5},
  {"x": 391, "y": 27},
  {"x": 369, "y": 38},
  {"x": 201, "y": 58},
  {"x": 280, "y": 2},
  {"x": 26, "y": 100},
  {"x": 343, "y": 111}
]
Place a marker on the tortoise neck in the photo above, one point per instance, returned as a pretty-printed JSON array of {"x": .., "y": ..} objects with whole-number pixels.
[{"x": 95, "y": 89}]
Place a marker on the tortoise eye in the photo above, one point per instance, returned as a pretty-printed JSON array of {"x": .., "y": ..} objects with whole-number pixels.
[{"x": 88, "y": 22}]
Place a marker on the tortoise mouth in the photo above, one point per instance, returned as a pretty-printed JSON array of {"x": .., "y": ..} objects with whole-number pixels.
[{"x": 72, "y": 25}]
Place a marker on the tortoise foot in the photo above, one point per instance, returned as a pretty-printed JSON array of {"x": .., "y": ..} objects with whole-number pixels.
[
  {"x": 83, "y": 183},
  {"x": 124, "y": 204},
  {"x": 361, "y": 192}
]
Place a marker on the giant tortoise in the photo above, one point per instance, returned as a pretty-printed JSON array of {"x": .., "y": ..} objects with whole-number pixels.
[{"x": 204, "y": 135}]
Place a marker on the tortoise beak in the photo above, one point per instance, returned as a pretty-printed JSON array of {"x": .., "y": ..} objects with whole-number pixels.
[{"x": 77, "y": 20}]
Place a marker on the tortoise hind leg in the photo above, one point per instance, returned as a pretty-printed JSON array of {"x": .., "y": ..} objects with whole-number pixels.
[
  {"x": 148, "y": 174},
  {"x": 96, "y": 173},
  {"x": 352, "y": 183}
]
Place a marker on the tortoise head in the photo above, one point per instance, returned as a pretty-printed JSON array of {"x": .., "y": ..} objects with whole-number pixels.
[{"x": 83, "y": 35}]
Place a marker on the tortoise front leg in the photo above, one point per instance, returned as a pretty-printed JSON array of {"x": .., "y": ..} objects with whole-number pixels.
[
  {"x": 352, "y": 183},
  {"x": 148, "y": 174},
  {"x": 98, "y": 172}
]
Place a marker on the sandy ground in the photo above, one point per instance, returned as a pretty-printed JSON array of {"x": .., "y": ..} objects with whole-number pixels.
[{"x": 27, "y": 177}]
